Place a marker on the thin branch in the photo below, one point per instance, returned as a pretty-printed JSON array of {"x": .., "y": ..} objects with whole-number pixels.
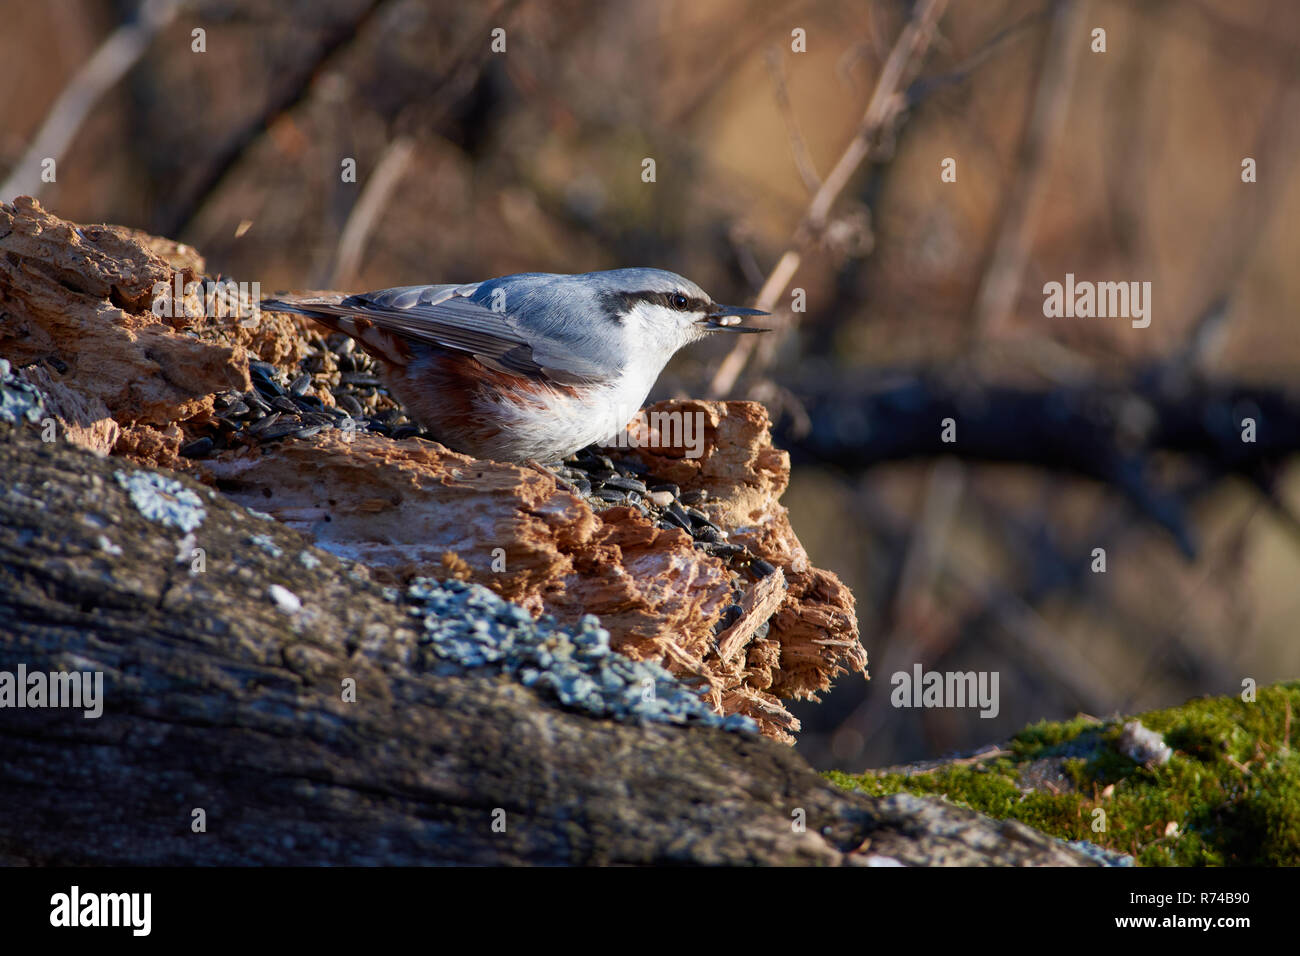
[
  {"x": 904, "y": 60},
  {"x": 374, "y": 199},
  {"x": 798, "y": 147},
  {"x": 1001, "y": 284},
  {"x": 120, "y": 51}
]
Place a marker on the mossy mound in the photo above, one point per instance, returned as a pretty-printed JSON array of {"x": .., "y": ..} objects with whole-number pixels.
[{"x": 1230, "y": 794}]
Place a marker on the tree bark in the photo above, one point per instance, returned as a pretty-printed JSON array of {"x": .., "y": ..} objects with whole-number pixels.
[{"x": 216, "y": 698}]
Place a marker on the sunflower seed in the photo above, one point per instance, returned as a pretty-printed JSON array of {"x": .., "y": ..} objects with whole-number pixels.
[
  {"x": 693, "y": 497},
  {"x": 262, "y": 425},
  {"x": 761, "y": 568},
  {"x": 626, "y": 484},
  {"x": 199, "y": 448},
  {"x": 299, "y": 384},
  {"x": 677, "y": 516},
  {"x": 257, "y": 403},
  {"x": 282, "y": 430}
]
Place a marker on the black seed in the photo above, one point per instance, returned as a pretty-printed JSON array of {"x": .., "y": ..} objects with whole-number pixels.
[
  {"x": 677, "y": 516},
  {"x": 309, "y": 401},
  {"x": 351, "y": 404},
  {"x": 263, "y": 424},
  {"x": 405, "y": 431},
  {"x": 256, "y": 402},
  {"x": 707, "y": 533},
  {"x": 609, "y": 494},
  {"x": 730, "y": 614},
  {"x": 265, "y": 378},
  {"x": 237, "y": 410},
  {"x": 670, "y": 488},
  {"x": 761, "y": 568},
  {"x": 626, "y": 484},
  {"x": 199, "y": 448},
  {"x": 282, "y": 430},
  {"x": 284, "y": 404},
  {"x": 693, "y": 497},
  {"x": 583, "y": 485},
  {"x": 308, "y": 431},
  {"x": 359, "y": 379},
  {"x": 299, "y": 384}
]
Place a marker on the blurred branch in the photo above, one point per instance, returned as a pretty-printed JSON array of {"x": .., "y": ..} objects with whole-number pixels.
[
  {"x": 375, "y": 196},
  {"x": 904, "y": 61},
  {"x": 1001, "y": 283},
  {"x": 798, "y": 147},
  {"x": 120, "y": 51},
  {"x": 1109, "y": 433},
  {"x": 291, "y": 92}
]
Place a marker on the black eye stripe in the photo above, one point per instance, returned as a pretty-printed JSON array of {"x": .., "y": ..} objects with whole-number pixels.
[{"x": 624, "y": 301}]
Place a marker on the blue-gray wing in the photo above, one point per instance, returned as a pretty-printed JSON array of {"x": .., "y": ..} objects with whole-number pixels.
[{"x": 448, "y": 316}]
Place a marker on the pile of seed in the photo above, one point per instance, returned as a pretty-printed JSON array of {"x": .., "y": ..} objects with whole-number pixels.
[
  {"x": 277, "y": 407},
  {"x": 468, "y": 628},
  {"x": 607, "y": 483}
]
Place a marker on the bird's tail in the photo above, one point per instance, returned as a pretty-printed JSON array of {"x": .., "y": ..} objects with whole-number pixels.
[{"x": 329, "y": 311}]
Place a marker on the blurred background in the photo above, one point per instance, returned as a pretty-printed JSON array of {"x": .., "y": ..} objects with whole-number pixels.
[{"x": 798, "y": 155}]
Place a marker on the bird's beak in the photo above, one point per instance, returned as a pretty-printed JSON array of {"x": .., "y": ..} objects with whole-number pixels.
[{"x": 726, "y": 318}]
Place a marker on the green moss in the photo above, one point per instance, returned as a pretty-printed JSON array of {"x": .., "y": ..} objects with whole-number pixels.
[{"x": 1232, "y": 786}]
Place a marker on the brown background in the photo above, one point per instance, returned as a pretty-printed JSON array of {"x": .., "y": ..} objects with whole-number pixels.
[{"x": 531, "y": 160}]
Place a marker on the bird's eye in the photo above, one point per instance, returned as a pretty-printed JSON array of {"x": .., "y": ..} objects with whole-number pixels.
[{"x": 679, "y": 301}]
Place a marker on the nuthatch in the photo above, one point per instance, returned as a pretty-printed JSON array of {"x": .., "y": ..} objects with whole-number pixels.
[{"x": 528, "y": 366}]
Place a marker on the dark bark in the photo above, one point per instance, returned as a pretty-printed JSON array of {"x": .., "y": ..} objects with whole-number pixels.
[{"x": 216, "y": 698}]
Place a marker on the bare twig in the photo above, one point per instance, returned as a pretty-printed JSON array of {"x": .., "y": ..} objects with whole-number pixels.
[
  {"x": 904, "y": 60},
  {"x": 798, "y": 147},
  {"x": 1001, "y": 284},
  {"x": 118, "y": 53},
  {"x": 373, "y": 200}
]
